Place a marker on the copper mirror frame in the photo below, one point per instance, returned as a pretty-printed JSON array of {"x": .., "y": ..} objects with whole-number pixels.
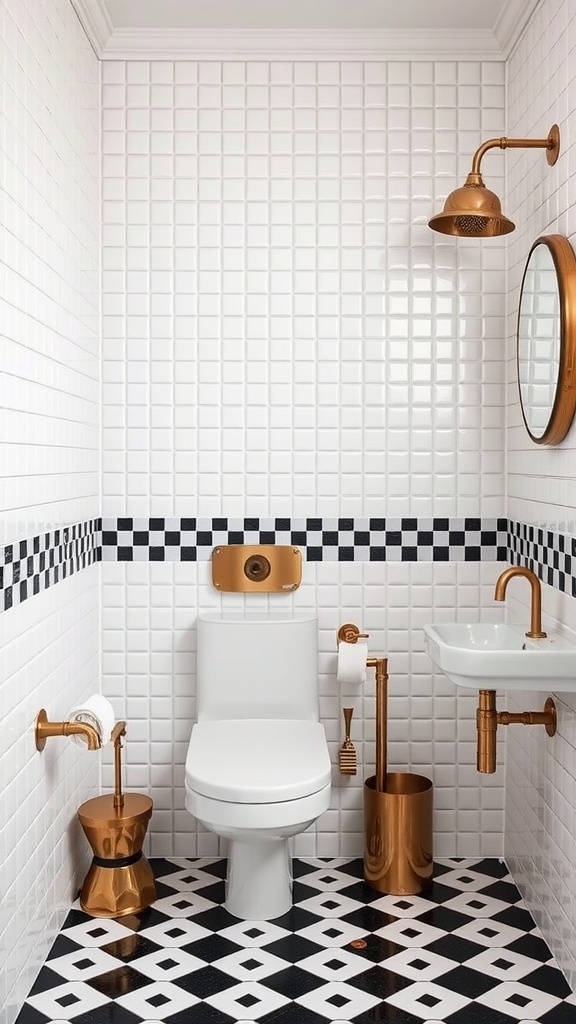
[{"x": 546, "y": 340}]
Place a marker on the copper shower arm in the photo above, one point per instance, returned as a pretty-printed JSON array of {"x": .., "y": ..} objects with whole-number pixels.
[{"x": 550, "y": 144}]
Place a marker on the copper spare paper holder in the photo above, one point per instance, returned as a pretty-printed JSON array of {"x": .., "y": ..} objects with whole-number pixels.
[{"x": 350, "y": 634}]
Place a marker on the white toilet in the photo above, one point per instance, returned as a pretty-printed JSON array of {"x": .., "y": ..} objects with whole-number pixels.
[{"x": 258, "y": 769}]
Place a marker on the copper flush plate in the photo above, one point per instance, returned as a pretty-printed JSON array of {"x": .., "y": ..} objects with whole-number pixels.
[{"x": 264, "y": 568}]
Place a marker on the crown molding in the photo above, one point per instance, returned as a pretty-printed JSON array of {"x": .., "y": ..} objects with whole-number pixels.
[
  {"x": 511, "y": 23},
  {"x": 96, "y": 22},
  {"x": 111, "y": 43},
  {"x": 298, "y": 44}
]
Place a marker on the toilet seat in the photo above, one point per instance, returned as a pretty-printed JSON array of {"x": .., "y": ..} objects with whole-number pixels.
[{"x": 257, "y": 761}]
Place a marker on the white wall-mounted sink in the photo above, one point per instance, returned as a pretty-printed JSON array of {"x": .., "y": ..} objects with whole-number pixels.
[{"x": 487, "y": 656}]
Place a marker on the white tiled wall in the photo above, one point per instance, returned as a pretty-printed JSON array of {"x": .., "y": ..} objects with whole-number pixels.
[
  {"x": 149, "y": 674},
  {"x": 49, "y": 381},
  {"x": 541, "y": 781},
  {"x": 284, "y": 336}
]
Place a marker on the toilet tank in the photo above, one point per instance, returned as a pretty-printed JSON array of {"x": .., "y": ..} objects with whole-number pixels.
[{"x": 257, "y": 666}]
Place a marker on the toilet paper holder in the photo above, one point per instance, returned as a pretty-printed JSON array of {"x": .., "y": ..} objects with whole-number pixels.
[
  {"x": 43, "y": 729},
  {"x": 350, "y": 634}
]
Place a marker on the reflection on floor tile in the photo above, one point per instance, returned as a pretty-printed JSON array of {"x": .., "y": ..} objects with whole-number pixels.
[{"x": 467, "y": 952}]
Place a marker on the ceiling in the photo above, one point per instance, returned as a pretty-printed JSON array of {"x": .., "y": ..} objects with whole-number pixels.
[
  {"x": 295, "y": 14},
  {"x": 393, "y": 28}
]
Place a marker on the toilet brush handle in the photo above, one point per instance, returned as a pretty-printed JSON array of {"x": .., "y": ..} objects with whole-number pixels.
[
  {"x": 380, "y": 665},
  {"x": 347, "y": 712},
  {"x": 118, "y": 732}
]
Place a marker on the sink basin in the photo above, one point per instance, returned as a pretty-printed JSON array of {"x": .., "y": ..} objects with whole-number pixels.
[{"x": 489, "y": 656}]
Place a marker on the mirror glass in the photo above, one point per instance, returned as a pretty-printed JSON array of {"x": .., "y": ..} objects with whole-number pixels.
[{"x": 546, "y": 339}]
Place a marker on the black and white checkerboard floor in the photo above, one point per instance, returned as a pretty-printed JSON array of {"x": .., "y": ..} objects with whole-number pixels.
[{"x": 467, "y": 952}]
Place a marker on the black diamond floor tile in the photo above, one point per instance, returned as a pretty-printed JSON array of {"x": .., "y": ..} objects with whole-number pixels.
[
  {"x": 296, "y": 919},
  {"x": 212, "y": 948},
  {"x": 301, "y": 892},
  {"x": 76, "y": 916},
  {"x": 292, "y": 1013},
  {"x": 532, "y": 946},
  {"x": 163, "y": 890},
  {"x": 549, "y": 979},
  {"x": 214, "y": 892},
  {"x": 353, "y": 867},
  {"x": 61, "y": 946},
  {"x": 215, "y": 919},
  {"x": 111, "y": 1013},
  {"x": 492, "y": 866},
  {"x": 376, "y": 949},
  {"x": 160, "y": 866},
  {"x": 205, "y": 982},
  {"x": 475, "y": 1013},
  {"x": 561, "y": 1014},
  {"x": 202, "y": 1013},
  {"x": 301, "y": 867},
  {"x": 130, "y": 947},
  {"x": 293, "y": 982},
  {"x": 362, "y": 892},
  {"x": 117, "y": 983},
  {"x": 467, "y": 982},
  {"x": 439, "y": 869},
  {"x": 368, "y": 919},
  {"x": 145, "y": 919},
  {"x": 440, "y": 893},
  {"x": 29, "y": 1015},
  {"x": 293, "y": 948},
  {"x": 386, "y": 1014},
  {"x": 46, "y": 979},
  {"x": 398, "y": 960},
  {"x": 443, "y": 917},
  {"x": 516, "y": 917},
  {"x": 502, "y": 891},
  {"x": 455, "y": 948},
  {"x": 377, "y": 981}
]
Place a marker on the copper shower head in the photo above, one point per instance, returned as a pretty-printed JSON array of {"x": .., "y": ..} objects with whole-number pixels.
[{"x": 473, "y": 211}]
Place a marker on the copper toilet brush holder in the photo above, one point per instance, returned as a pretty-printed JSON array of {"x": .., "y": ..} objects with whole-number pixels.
[
  {"x": 398, "y": 807},
  {"x": 120, "y": 879}
]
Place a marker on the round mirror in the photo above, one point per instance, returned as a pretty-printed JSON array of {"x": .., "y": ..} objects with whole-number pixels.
[{"x": 546, "y": 339}]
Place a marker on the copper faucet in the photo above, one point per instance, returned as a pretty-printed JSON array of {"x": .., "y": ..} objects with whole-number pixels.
[{"x": 536, "y": 631}]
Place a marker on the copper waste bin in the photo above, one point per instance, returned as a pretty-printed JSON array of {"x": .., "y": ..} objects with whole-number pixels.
[
  {"x": 120, "y": 879},
  {"x": 398, "y": 834}
]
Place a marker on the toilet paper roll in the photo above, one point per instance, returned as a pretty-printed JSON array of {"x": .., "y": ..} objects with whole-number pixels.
[
  {"x": 352, "y": 662},
  {"x": 98, "y": 712}
]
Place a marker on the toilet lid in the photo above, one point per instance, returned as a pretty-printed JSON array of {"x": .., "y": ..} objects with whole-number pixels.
[{"x": 255, "y": 761}]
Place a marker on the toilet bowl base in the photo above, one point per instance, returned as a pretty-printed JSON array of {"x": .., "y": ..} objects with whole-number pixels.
[{"x": 259, "y": 880}]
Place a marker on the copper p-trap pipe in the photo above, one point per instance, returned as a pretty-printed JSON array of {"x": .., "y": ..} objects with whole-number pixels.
[{"x": 488, "y": 720}]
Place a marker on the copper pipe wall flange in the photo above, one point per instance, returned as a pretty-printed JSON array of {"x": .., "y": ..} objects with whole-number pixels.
[{"x": 488, "y": 720}]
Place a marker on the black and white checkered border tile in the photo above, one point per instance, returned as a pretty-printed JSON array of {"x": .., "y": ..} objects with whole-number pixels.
[
  {"x": 465, "y": 952},
  {"x": 30, "y": 566},
  {"x": 552, "y": 556},
  {"x": 334, "y": 540}
]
